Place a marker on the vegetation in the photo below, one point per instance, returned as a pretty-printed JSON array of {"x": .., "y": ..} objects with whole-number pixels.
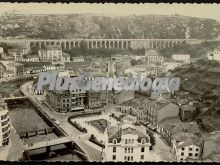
[
  {"x": 152, "y": 138},
  {"x": 196, "y": 51},
  {"x": 95, "y": 141},
  {"x": 93, "y": 26}
]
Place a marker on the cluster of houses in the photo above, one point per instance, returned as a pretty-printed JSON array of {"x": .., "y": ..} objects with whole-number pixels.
[
  {"x": 48, "y": 58},
  {"x": 153, "y": 64},
  {"x": 174, "y": 121}
]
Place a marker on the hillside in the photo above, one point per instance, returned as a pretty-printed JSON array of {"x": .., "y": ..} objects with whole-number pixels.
[{"x": 93, "y": 26}]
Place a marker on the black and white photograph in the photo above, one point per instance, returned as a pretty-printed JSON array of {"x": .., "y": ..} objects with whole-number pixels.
[{"x": 109, "y": 82}]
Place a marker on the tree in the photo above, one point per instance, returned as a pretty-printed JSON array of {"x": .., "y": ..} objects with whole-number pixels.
[{"x": 152, "y": 138}]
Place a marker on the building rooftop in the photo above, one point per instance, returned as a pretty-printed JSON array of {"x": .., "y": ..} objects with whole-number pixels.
[
  {"x": 15, "y": 64},
  {"x": 174, "y": 125},
  {"x": 52, "y": 47},
  {"x": 188, "y": 108},
  {"x": 65, "y": 54},
  {"x": 215, "y": 136},
  {"x": 187, "y": 139},
  {"x": 115, "y": 132},
  {"x": 151, "y": 52}
]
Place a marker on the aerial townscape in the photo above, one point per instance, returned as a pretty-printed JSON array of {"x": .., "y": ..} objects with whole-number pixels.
[{"x": 109, "y": 125}]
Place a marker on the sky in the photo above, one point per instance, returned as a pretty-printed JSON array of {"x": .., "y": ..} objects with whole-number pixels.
[{"x": 194, "y": 10}]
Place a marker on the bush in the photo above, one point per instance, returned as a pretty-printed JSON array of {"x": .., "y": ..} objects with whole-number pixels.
[
  {"x": 77, "y": 126},
  {"x": 95, "y": 141},
  {"x": 152, "y": 138}
]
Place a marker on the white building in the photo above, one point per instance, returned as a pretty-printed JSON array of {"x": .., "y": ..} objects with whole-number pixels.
[
  {"x": 1, "y": 50},
  {"x": 181, "y": 57},
  {"x": 51, "y": 53},
  {"x": 209, "y": 55},
  {"x": 136, "y": 71},
  {"x": 4, "y": 124},
  {"x": 216, "y": 55},
  {"x": 153, "y": 57},
  {"x": 127, "y": 143},
  {"x": 171, "y": 65},
  {"x": 186, "y": 146},
  {"x": 78, "y": 59},
  {"x": 65, "y": 57}
]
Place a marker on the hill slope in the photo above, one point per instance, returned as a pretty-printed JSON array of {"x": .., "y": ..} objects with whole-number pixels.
[{"x": 93, "y": 26}]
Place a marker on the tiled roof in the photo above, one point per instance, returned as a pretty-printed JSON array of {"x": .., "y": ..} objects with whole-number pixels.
[
  {"x": 115, "y": 132},
  {"x": 187, "y": 108},
  {"x": 174, "y": 125},
  {"x": 65, "y": 54},
  {"x": 51, "y": 47},
  {"x": 215, "y": 137},
  {"x": 187, "y": 139},
  {"x": 15, "y": 64}
]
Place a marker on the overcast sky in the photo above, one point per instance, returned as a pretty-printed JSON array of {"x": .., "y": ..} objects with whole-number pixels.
[{"x": 195, "y": 10}]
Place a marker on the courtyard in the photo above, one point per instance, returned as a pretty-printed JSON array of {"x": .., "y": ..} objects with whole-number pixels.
[{"x": 101, "y": 124}]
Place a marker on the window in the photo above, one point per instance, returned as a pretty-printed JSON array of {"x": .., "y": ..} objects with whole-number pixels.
[
  {"x": 196, "y": 154},
  {"x": 143, "y": 141},
  {"x": 114, "y": 157},
  {"x": 197, "y": 149},
  {"x": 132, "y": 150},
  {"x": 190, "y": 154},
  {"x": 142, "y": 157},
  {"x": 182, "y": 153},
  {"x": 114, "y": 141},
  {"x": 183, "y": 148},
  {"x": 131, "y": 158},
  {"x": 125, "y": 158},
  {"x": 126, "y": 141},
  {"x": 190, "y": 149},
  {"x": 142, "y": 149},
  {"x": 128, "y": 158},
  {"x": 128, "y": 150},
  {"x": 114, "y": 149},
  {"x": 125, "y": 150}
]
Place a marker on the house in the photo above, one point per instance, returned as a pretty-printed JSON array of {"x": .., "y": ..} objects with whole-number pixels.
[
  {"x": 169, "y": 66},
  {"x": 129, "y": 107},
  {"x": 51, "y": 53},
  {"x": 153, "y": 70},
  {"x": 211, "y": 145},
  {"x": 2, "y": 70},
  {"x": 153, "y": 57},
  {"x": 210, "y": 55},
  {"x": 95, "y": 100},
  {"x": 14, "y": 67},
  {"x": 31, "y": 58},
  {"x": 173, "y": 125},
  {"x": 65, "y": 57},
  {"x": 181, "y": 57},
  {"x": 216, "y": 55},
  {"x": 136, "y": 71},
  {"x": 186, "y": 146},
  {"x": 4, "y": 124},
  {"x": 188, "y": 112},
  {"x": 127, "y": 143},
  {"x": 155, "y": 110},
  {"x": 116, "y": 57},
  {"x": 78, "y": 59}
]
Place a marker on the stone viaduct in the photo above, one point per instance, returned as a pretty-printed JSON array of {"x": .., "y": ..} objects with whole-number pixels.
[{"x": 103, "y": 43}]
